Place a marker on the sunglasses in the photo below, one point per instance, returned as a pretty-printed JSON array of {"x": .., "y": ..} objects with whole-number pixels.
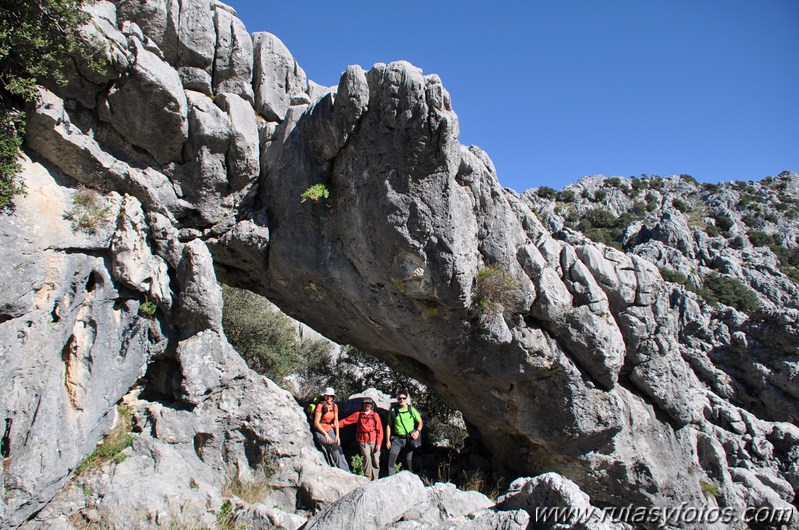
[{"x": 401, "y": 398}]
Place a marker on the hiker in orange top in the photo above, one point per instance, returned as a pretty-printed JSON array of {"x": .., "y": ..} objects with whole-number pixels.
[
  {"x": 369, "y": 435},
  {"x": 326, "y": 425}
]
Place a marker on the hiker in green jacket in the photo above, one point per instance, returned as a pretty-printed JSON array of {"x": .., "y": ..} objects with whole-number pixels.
[{"x": 403, "y": 431}]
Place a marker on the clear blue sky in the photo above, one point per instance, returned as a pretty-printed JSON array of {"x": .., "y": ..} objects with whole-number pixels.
[{"x": 557, "y": 89}]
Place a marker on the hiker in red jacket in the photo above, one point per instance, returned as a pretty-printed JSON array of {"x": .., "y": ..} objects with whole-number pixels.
[{"x": 369, "y": 435}]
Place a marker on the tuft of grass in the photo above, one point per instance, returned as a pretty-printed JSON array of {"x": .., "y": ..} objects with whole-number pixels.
[
  {"x": 477, "y": 481},
  {"x": 89, "y": 210},
  {"x": 494, "y": 289},
  {"x": 709, "y": 489},
  {"x": 224, "y": 519},
  {"x": 315, "y": 193},
  {"x": 251, "y": 491},
  {"x": 112, "y": 447}
]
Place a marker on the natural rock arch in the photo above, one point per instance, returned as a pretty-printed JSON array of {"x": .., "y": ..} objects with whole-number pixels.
[
  {"x": 581, "y": 371},
  {"x": 389, "y": 263}
]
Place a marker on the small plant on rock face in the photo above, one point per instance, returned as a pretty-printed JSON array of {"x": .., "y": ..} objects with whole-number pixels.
[
  {"x": 148, "y": 309},
  {"x": 224, "y": 519},
  {"x": 494, "y": 289},
  {"x": 315, "y": 193},
  {"x": 254, "y": 489},
  {"x": 710, "y": 489},
  {"x": 112, "y": 447},
  {"x": 88, "y": 210}
]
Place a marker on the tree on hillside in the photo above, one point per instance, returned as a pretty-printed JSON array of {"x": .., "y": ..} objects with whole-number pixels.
[{"x": 36, "y": 38}]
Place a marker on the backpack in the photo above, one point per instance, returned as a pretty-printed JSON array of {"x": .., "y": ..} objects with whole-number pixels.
[
  {"x": 311, "y": 408},
  {"x": 372, "y": 416}
]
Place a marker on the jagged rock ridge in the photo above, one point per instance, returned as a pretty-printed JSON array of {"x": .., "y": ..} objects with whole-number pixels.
[{"x": 593, "y": 366}]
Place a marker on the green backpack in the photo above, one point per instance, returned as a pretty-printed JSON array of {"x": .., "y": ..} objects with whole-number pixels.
[{"x": 311, "y": 408}]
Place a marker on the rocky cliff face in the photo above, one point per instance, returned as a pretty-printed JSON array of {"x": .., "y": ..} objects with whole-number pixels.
[{"x": 567, "y": 355}]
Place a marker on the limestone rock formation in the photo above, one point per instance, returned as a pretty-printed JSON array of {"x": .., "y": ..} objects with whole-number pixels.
[{"x": 184, "y": 160}]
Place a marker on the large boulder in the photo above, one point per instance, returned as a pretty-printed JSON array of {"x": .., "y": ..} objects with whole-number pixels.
[
  {"x": 276, "y": 77},
  {"x": 148, "y": 107}
]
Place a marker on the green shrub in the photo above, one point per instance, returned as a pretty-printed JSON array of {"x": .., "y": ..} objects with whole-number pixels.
[
  {"x": 597, "y": 218},
  {"x": 266, "y": 338},
  {"x": 724, "y": 223},
  {"x": 10, "y": 142},
  {"x": 600, "y": 225},
  {"x": 315, "y": 193},
  {"x": 681, "y": 205},
  {"x": 147, "y": 309},
  {"x": 545, "y": 192},
  {"x": 729, "y": 291},
  {"x": 749, "y": 220},
  {"x": 639, "y": 208},
  {"x": 638, "y": 184},
  {"x": 673, "y": 276},
  {"x": 357, "y": 465},
  {"x": 604, "y": 236},
  {"x": 712, "y": 230},
  {"x": 689, "y": 179},
  {"x": 600, "y": 195},
  {"x": 788, "y": 258},
  {"x": 619, "y": 184},
  {"x": 758, "y": 238},
  {"x": 36, "y": 39},
  {"x": 567, "y": 196}
]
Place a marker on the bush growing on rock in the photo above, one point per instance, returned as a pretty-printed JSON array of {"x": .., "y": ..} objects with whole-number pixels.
[
  {"x": 567, "y": 196},
  {"x": 315, "y": 193},
  {"x": 673, "y": 276},
  {"x": 758, "y": 238},
  {"x": 36, "y": 38},
  {"x": 545, "y": 192},
  {"x": 680, "y": 205},
  {"x": 729, "y": 291},
  {"x": 266, "y": 338},
  {"x": 724, "y": 223},
  {"x": 494, "y": 289}
]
